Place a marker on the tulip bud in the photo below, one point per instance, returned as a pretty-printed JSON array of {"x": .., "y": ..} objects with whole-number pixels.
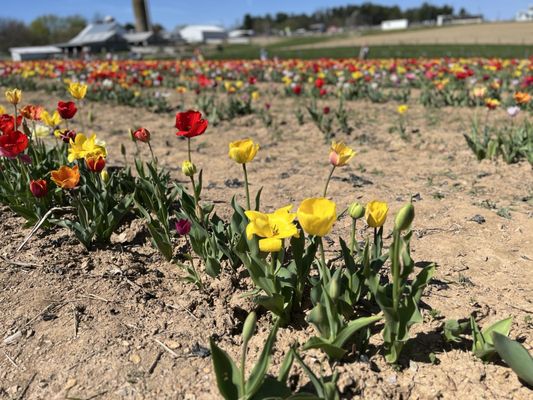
[
  {"x": 334, "y": 289},
  {"x": 39, "y": 188},
  {"x": 404, "y": 217},
  {"x": 104, "y": 175},
  {"x": 183, "y": 227},
  {"x": 141, "y": 134},
  {"x": 95, "y": 163},
  {"x": 356, "y": 210},
  {"x": 188, "y": 168},
  {"x": 249, "y": 327}
]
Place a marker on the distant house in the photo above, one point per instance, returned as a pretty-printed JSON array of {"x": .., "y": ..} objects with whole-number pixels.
[
  {"x": 394, "y": 24},
  {"x": 34, "y": 53},
  {"x": 458, "y": 20},
  {"x": 106, "y": 35},
  {"x": 525, "y": 15},
  {"x": 203, "y": 34}
]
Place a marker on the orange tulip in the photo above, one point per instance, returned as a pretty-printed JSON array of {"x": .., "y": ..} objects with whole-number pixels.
[
  {"x": 522, "y": 97},
  {"x": 66, "y": 177}
]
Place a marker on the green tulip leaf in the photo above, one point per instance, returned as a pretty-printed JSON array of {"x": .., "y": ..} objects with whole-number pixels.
[
  {"x": 227, "y": 374},
  {"x": 515, "y": 355}
]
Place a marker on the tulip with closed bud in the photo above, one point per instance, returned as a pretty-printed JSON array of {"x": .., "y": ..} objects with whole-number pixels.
[
  {"x": 404, "y": 217},
  {"x": 188, "y": 168}
]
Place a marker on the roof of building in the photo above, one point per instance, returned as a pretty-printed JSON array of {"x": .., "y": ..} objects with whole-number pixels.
[
  {"x": 97, "y": 33},
  {"x": 138, "y": 36},
  {"x": 35, "y": 50},
  {"x": 203, "y": 28}
]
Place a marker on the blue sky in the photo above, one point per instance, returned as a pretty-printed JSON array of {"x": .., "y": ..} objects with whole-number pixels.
[{"x": 226, "y": 12}]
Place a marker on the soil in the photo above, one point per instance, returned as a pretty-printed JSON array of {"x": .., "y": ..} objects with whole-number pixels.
[{"x": 118, "y": 323}]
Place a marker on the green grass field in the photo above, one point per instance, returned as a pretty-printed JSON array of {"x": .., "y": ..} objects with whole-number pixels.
[{"x": 387, "y": 51}]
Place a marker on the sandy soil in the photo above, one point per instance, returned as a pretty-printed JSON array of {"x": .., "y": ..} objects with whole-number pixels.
[
  {"x": 95, "y": 325},
  {"x": 486, "y": 33}
]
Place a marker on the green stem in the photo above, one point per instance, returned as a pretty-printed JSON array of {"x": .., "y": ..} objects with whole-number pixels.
[
  {"x": 395, "y": 268},
  {"x": 199, "y": 210},
  {"x": 246, "y": 186},
  {"x": 243, "y": 363},
  {"x": 327, "y": 181},
  {"x": 352, "y": 237},
  {"x": 323, "y": 267},
  {"x": 154, "y": 160},
  {"x": 189, "y": 148}
]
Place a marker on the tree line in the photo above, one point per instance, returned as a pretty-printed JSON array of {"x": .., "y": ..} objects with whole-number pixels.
[
  {"x": 44, "y": 30},
  {"x": 351, "y": 16}
]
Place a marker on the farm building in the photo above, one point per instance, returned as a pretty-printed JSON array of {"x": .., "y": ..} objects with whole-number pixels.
[
  {"x": 394, "y": 24},
  {"x": 106, "y": 35},
  {"x": 203, "y": 34},
  {"x": 241, "y": 36},
  {"x": 525, "y": 15},
  {"x": 34, "y": 52}
]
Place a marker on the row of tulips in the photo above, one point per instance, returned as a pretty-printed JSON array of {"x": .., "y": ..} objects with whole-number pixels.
[
  {"x": 373, "y": 288},
  {"x": 460, "y": 82}
]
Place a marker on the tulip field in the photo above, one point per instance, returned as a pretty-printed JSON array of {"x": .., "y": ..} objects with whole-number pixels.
[{"x": 281, "y": 229}]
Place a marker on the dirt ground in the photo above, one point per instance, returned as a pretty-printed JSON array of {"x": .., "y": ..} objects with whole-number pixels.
[
  {"x": 487, "y": 33},
  {"x": 117, "y": 323}
]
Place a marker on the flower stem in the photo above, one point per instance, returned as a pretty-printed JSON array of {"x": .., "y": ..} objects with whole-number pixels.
[
  {"x": 352, "y": 237},
  {"x": 246, "y": 186},
  {"x": 189, "y": 148},
  {"x": 327, "y": 181},
  {"x": 154, "y": 160},
  {"x": 199, "y": 210},
  {"x": 323, "y": 268},
  {"x": 395, "y": 269}
]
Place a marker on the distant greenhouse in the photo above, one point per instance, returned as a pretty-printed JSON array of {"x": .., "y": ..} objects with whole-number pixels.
[{"x": 202, "y": 34}]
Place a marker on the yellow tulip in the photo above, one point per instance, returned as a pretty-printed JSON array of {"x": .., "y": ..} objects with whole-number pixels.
[
  {"x": 77, "y": 90},
  {"x": 243, "y": 151},
  {"x": 51, "y": 120},
  {"x": 83, "y": 147},
  {"x": 317, "y": 216},
  {"x": 2, "y": 110},
  {"x": 273, "y": 228},
  {"x": 376, "y": 213},
  {"x": 340, "y": 154},
  {"x": 402, "y": 109},
  {"x": 13, "y": 96}
]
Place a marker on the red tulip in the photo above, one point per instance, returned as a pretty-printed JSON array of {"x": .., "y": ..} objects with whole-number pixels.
[
  {"x": 39, "y": 188},
  {"x": 319, "y": 82},
  {"x": 190, "y": 123},
  {"x": 183, "y": 227},
  {"x": 67, "y": 109},
  {"x": 326, "y": 110},
  {"x": 142, "y": 135},
  {"x": 12, "y": 144},
  {"x": 95, "y": 164},
  {"x": 7, "y": 123},
  {"x": 297, "y": 90}
]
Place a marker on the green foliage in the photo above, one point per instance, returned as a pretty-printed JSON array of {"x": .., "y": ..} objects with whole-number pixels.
[
  {"x": 482, "y": 340},
  {"x": 515, "y": 355},
  {"x": 154, "y": 199},
  {"x": 99, "y": 211}
]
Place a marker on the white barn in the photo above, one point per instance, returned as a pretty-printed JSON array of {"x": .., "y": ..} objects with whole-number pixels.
[
  {"x": 203, "y": 34},
  {"x": 34, "y": 52}
]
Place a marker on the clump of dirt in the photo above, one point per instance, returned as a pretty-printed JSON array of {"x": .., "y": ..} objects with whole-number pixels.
[{"x": 117, "y": 322}]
